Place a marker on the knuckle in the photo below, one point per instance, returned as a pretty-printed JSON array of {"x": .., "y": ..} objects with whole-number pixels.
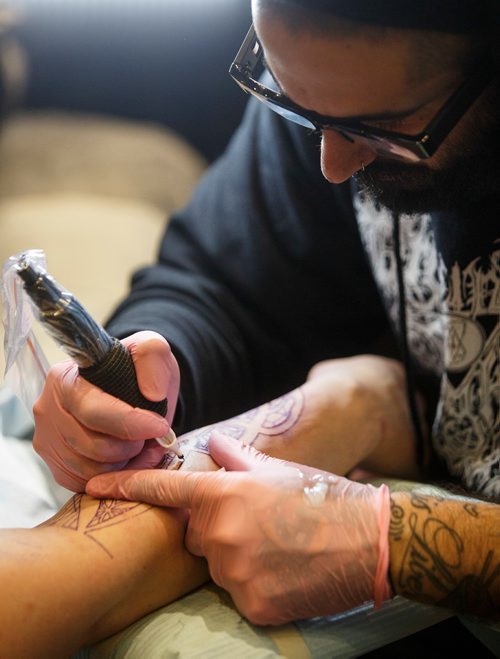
[
  {"x": 53, "y": 388},
  {"x": 225, "y": 538},
  {"x": 61, "y": 376},
  {"x": 39, "y": 408},
  {"x": 87, "y": 469},
  {"x": 256, "y": 612},
  {"x": 72, "y": 483},
  {"x": 236, "y": 575},
  {"x": 109, "y": 451},
  {"x": 87, "y": 409},
  {"x": 39, "y": 446}
]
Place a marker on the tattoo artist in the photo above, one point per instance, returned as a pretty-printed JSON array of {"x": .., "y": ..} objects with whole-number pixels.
[{"x": 347, "y": 240}]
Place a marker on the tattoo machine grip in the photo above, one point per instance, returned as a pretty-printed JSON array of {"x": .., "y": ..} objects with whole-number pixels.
[
  {"x": 115, "y": 374},
  {"x": 102, "y": 359}
]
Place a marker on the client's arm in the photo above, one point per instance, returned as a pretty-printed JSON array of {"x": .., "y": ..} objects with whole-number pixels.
[
  {"x": 88, "y": 572},
  {"x": 99, "y": 565}
]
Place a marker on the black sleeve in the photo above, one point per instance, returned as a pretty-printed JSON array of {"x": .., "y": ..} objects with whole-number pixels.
[{"x": 259, "y": 277}]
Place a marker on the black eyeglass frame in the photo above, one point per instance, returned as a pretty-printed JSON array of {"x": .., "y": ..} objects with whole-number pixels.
[{"x": 423, "y": 145}]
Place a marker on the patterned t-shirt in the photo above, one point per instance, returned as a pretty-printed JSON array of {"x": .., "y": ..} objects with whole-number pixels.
[{"x": 453, "y": 313}]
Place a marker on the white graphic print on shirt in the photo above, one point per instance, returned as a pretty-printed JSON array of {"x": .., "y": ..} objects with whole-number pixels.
[{"x": 453, "y": 319}]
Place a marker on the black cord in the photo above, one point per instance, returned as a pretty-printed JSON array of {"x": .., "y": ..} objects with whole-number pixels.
[{"x": 407, "y": 360}]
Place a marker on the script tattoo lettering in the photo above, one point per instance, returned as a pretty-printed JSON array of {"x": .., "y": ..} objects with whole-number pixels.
[
  {"x": 268, "y": 420},
  {"x": 103, "y": 514},
  {"x": 425, "y": 559},
  {"x": 420, "y": 501},
  {"x": 433, "y": 565},
  {"x": 397, "y": 521},
  {"x": 471, "y": 510}
]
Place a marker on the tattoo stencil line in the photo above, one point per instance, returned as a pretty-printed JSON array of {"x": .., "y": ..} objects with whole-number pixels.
[
  {"x": 268, "y": 420},
  {"x": 109, "y": 512}
]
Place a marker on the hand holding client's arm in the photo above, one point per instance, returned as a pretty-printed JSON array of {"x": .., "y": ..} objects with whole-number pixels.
[
  {"x": 290, "y": 542},
  {"x": 98, "y": 566}
]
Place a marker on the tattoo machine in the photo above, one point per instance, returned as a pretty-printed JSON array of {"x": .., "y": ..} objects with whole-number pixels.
[{"x": 102, "y": 359}]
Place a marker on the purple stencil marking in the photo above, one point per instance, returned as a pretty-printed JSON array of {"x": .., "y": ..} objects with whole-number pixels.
[
  {"x": 234, "y": 430},
  {"x": 109, "y": 509},
  {"x": 246, "y": 417},
  {"x": 69, "y": 516},
  {"x": 283, "y": 413}
]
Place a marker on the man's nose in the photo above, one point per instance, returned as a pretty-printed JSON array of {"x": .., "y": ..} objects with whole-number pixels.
[{"x": 341, "y": 156}]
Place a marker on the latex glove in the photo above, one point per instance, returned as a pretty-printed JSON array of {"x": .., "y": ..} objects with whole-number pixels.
[
  {"x": 287, "y": 542},
  {"x": 80, "y": 431}
]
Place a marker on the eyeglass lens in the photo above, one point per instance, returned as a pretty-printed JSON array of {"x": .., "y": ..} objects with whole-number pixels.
[{"x": 381, "y": 145}]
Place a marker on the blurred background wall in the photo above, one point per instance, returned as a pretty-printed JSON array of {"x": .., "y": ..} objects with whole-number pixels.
[
  {"x": 122, "y": 105},
  {"x": 164, "y": 61}
]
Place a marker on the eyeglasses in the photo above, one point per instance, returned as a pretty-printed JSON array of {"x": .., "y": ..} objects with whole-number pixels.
[{"x": 249, "y": 61}]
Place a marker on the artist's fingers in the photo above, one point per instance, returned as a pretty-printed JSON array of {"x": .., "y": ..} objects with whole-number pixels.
[
  {"x": 96, "y": 410},
  {"x": 157, "y": 371},
  {"x": 101, "y": 448},
  {"x": 150, "y": 456},
  {"x": 161, "y": 488},
  {"x": 73, "y": 474},
  {"x": 235, "y": 456}
]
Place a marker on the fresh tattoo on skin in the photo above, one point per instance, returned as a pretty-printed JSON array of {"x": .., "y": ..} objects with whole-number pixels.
[
  {"x": 436, "y": 563},
  {"x": 88, "y": 516},
  {"x": 268, "y": 420}
]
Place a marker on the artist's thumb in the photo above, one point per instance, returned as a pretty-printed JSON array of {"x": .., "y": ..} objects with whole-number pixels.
[
  {"x": 236, "y": 456},
  {"x": 156, "y": 368},
  {"x": 158, "y": 487}
]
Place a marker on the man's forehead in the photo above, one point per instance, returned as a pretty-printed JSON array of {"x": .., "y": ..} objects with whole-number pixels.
[
  {"x": 418, "y": 53},
  {"x": 345, "y": 74}
]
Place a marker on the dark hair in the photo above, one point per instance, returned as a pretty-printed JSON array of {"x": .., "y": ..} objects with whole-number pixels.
[
  {"x": 446, "y": 32},
  {"x": 454, "y": 16}
]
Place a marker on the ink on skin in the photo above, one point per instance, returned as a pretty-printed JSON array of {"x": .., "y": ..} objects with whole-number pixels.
[{"x": 268, "y": 420}]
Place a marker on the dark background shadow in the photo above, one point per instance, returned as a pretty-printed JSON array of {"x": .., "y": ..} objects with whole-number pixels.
[{"x": 156, "y": 60}]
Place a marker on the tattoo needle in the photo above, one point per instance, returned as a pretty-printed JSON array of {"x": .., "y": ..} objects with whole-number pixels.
[{"x": 170, "y": 442}]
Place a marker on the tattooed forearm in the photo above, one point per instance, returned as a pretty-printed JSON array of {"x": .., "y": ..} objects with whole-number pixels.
[
  {"x": 269, "y": 420},
  {"x": 88, "y": 516},
  {"x": 445, "y": 551}
]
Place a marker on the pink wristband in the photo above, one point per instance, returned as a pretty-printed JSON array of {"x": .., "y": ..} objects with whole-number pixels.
[{"x": 381, "y": 587}]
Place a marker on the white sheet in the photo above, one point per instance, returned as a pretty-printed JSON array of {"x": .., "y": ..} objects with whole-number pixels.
[{"x": 28, "y": 493}]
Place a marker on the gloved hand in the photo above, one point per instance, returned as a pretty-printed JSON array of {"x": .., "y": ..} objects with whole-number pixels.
[
  {"x": 80, "y": 431},
  {"x": 287, "y": 542}
]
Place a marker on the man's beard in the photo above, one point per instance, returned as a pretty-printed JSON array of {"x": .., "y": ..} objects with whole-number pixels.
[{"x": 470, "y": 173}]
